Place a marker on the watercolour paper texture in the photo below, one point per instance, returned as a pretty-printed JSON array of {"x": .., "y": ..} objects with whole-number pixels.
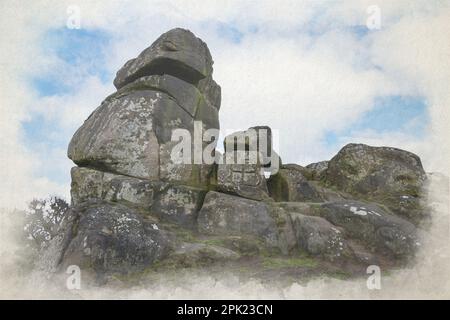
[{"x": 224, "y": 149}]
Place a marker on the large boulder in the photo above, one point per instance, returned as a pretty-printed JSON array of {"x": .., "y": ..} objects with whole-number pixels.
[
  {"x": 390, "y": 176},
  {"x": 131, "y": 135},
  {"x": 362, "y": 169},
  {"x": 224, "y": 214},
  {"x": 119, "y": 136},
  {"x": 168, "y": 87},
  {"x": 348, "y": 231},
  {"x": 109, "y": 238}
]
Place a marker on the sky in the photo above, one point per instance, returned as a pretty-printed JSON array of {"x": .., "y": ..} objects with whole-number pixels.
[{"x": 312, "y": 70}]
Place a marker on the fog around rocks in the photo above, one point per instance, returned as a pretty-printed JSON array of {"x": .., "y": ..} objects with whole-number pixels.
[{"x": 428, "y": 279}]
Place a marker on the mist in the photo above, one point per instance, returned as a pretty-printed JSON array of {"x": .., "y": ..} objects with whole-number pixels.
[{"x": 428, "y": 278}]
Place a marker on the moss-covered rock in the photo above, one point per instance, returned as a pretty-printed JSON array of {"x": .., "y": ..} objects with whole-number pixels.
[
  {"x": 390, "y": 176},
  {"x": 109, "y": 238}
]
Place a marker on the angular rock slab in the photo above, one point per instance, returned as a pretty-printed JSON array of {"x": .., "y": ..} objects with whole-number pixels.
[
  {"x": 300, "y": 229},
  {"x": 185, "y": 94},
  {"x": 245, "y": 180},
  {"x": 224, "y": 214},
  {"x": 89, "y": 184},
  {"x": 110, "y": 238},
  {"x": 120, "y": 135},
  {"x": 373, "y": 226},
  {"x": 173, "y": 203},
  {"x": 317, "y": 236},
  {"x": 131, "y": 135}
]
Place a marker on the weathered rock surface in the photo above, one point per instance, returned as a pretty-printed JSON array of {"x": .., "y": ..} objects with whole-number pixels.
[
  {"x": 107, "y": 237},
  {"x": 178, "y": 204},
  {"x": 287, "y": 238},
  {"x": 378, "y": 229},
  {"x": 224, "y": 214},
  {"x": 359, "y": 168},
  {"x": 390, "y": 176},
  {"x": 317, "y": 236},
  {"x": 300, "y": 229},
  {"x": 89, "y": 184},
  {"x": 177, "y": 52},
  {"x": 119, "y": 136},
  {"x": 169, "y": 86},
  {"x": 241, "y": 170},
  {"x": 245, "y": 180},
  {"x": 348, "y": 230}
]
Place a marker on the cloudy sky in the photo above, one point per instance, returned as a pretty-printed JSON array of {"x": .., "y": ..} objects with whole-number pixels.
[{"x": 311, "y": 69}]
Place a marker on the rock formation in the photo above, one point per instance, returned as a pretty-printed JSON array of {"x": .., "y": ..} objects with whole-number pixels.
[{"x": 133, "y": 205}]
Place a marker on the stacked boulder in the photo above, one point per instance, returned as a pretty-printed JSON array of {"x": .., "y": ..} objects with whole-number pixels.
[
  {"x": 133, "y": 204},
  {"x": 242, "y": 166},
  {"x": 126, "y": 181},
  {"x": 386, "y": 175}
]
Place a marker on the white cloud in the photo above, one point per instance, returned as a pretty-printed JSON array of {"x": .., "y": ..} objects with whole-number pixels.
[
  {"x": 302, "y": 91},
  {"x": 417, "y": 51}
]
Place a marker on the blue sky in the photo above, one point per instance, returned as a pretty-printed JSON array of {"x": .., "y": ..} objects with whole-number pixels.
[
  {"x": 405, "y": 114},
  {"x": 78, "y": 48}
]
